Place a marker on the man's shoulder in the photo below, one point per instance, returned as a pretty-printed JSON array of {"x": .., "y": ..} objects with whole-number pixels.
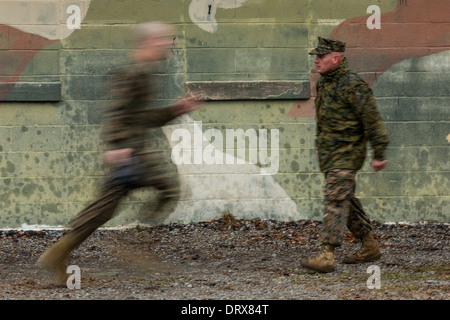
[
  {"x": 129, "y": 74},
  {"x": 353, "y": 82},
  {"x": 352, "y": 77}
]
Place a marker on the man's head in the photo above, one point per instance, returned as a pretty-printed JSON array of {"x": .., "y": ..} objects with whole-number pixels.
[
  {"x": 153, "y": 41},
  {"x": 328, "y": 62},
  {"x": 330, "y": 54}
]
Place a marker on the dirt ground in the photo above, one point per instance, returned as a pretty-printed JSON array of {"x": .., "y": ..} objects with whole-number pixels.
[{"x": 229, "y": 259}]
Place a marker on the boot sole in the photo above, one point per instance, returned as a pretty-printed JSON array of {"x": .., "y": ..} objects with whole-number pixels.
[
  {"x": 372, "y": 258},
  {"x": 323, "y": 270}
]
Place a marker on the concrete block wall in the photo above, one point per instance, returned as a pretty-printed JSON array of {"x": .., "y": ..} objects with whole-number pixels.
[{"x": 50, "y": 151}]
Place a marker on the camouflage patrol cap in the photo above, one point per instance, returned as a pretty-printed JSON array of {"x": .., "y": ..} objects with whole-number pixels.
[{"x": 328, "y": 45}]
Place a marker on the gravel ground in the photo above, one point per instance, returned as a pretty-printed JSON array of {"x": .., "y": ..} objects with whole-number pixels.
[{"x": 228, "y": 259}]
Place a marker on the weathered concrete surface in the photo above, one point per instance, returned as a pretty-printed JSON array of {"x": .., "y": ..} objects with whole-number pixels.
[{"x": 50, "y": 152}]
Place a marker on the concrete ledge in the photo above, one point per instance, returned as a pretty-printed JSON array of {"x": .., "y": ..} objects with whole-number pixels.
[
  {"x": 31, "y": 91},
  {"x": 250, "y": 90}
]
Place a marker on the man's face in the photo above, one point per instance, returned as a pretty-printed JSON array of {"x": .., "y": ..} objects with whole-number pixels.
[
  {"x": 156, "y": 48},
  {"x": 327, "y": 62}
]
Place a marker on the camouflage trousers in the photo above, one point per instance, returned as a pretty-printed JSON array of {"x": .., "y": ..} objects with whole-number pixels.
[
  {"x": 342, "y": 208},
  {"x": 154, "y": 174}
]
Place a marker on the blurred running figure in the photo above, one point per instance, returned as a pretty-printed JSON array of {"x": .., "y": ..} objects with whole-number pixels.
[{"x": 128, "y": 117}]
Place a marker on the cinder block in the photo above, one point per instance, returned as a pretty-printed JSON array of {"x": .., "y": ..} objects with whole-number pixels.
[
  {"x": 267, "y": 11},
  {"x": 298, "y": 160},
  {"x": 34, "y": 190},
  {"x": 259, "y": 60},
  {"x": 284, "y": 35},
  {"x": 413, "y": 109},
  {"x": 420, "y": 84},
  {"x": 404, "y": 134},
  {"x": 390, "y": 85},
  {"x": 380, "y": 184},
  {"x": 388, "y": 107},
  {"x": 88, "y": 37},
  {"x": 295, "y": 61},
  {"x": 69, "y": 164},
  {"x": 298, "y": 136},
  {"x": 46, "y": 62},
  {"x": 214, "y": 113},
  {"x": 4, "y": 41},
  {"x": 5, "y": 139},
  {"x": 104, "y": 61},
  {"x": 76, "y": 189},
  {"x": 121, "y": 36},
  {"x": 36, "y": 138},
  {"x": 210, "y": 60},
  {"x": 72, "y": 62},
  {"x": 432, "y": 159},
  {"x": 17, "y": 164},
  {"x": 417, "y": 208},
  {"x": 82, "y": 138},
  {"x": 92, "y": 87},
  {"x": 235, "y": 35},
  {"x": 92, "y": 109},
  {"x": 296, "y": 186},
  {"x": 119, "y": 11},
  {"x": 427, "y": 184},
  {"x": 16, "y": 215},
  {"x": 439, "y": 109}
]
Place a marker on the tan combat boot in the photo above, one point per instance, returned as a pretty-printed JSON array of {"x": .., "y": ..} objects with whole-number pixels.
[
  {"x": 53, "y": 260},
  {"x": 323, "y": 262},
  {"x": 369, "y": 251}
]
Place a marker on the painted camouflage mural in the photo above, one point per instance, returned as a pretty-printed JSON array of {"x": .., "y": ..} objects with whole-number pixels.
[{"x": 252, "y": 144}]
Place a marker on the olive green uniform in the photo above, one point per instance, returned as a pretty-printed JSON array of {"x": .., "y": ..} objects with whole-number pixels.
[{"x": 127, "y": 119}]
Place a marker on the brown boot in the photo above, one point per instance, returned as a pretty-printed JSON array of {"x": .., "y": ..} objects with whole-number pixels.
[
  {"x": 323, "y": 262},
  {"x": 53, "y": 260},
  {"x": 370, "y": 251}
]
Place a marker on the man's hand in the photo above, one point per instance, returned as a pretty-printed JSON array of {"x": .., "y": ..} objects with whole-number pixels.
[
  {"x": 378, "y": 165},
  {"x": 118, "y": 158},
  {"x": 187, "y": 105}
]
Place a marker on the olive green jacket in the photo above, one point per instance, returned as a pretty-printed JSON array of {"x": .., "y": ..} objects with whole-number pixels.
[
  {"x": 347, "y": 117},
  {"x": 131, "y": 112}
]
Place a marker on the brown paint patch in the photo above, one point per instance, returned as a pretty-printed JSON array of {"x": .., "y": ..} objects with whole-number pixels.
[
  {"x": 416, "y": 28},
  {"x": 17, "y": 49},
  {"x": 306, "y": 108}
]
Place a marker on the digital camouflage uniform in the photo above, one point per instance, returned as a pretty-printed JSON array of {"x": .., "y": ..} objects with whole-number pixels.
[
  {"x": 128, "y": 117},
  {"x": 347, "y": 118}
]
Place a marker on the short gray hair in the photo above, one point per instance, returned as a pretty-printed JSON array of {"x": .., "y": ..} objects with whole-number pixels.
[{"x": 152, "y": 29}]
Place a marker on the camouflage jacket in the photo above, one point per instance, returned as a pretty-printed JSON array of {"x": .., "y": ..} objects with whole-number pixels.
[
  {"x": 347, "y": 117},
  {"x": 130, "y": 113}
]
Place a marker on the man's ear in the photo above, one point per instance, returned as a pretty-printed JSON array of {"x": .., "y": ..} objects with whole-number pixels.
[{"x": 336, "y": 59}]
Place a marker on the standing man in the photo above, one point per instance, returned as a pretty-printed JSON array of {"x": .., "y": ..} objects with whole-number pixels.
[
  {"x": 347, "y": 118},
  {"x": 128, "y": 117}
]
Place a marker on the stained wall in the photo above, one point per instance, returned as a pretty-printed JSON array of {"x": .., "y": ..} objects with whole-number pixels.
[{"x": 250, "y": 57}]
